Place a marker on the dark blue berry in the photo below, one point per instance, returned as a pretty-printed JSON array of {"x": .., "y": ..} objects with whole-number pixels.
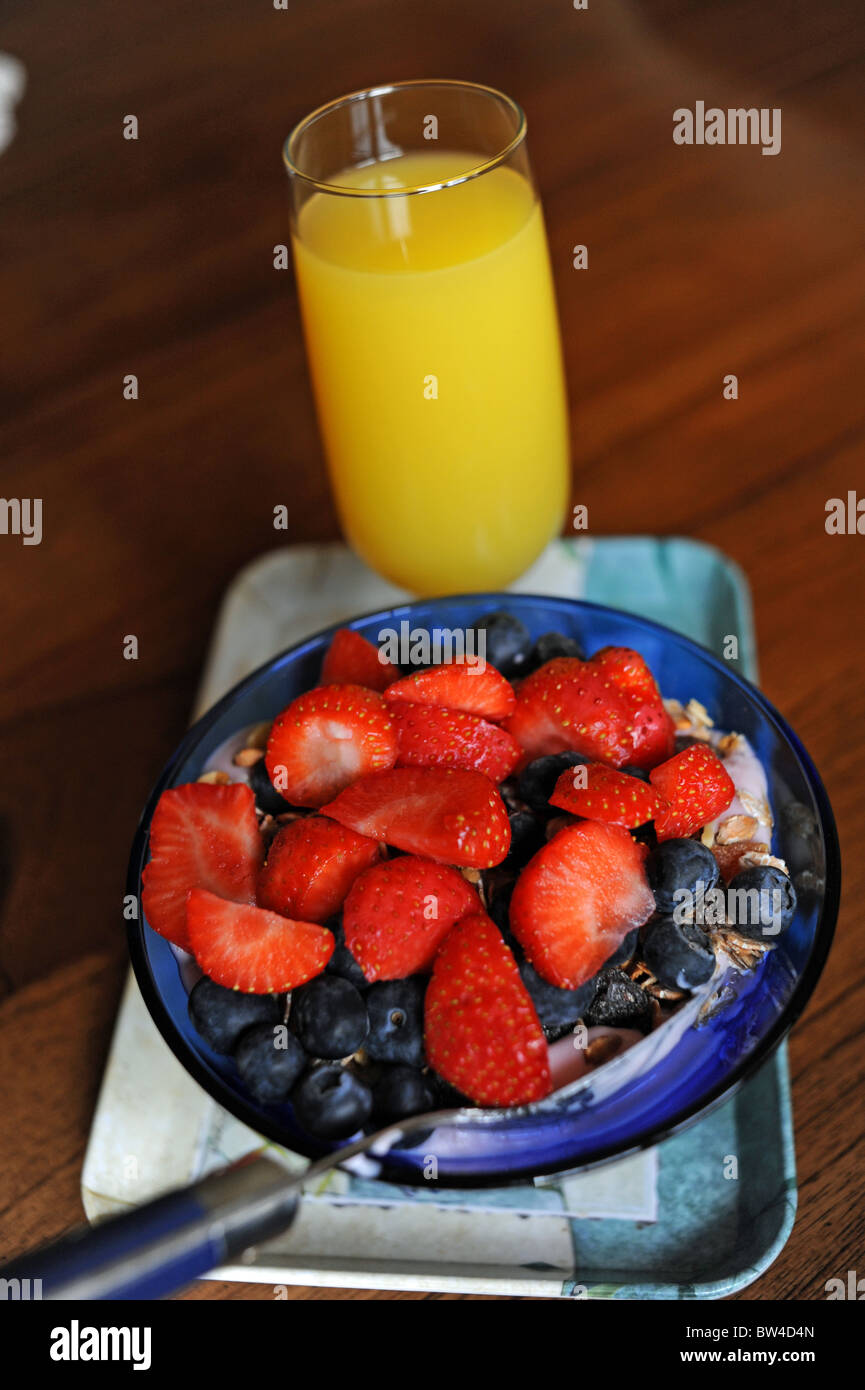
[
  {"x": 679, "y": 955},
  {"x": 401, "y": 1091},
  {"x": 680, "y": 866},
  {"x": 625, "y": 954},
  {"x": 553, "y": 644},
  {"x": 395, "y": 1009},
  {"x": 761, "y": 902},
  {"x": 342, "y": 962},
  {"x": 330, "y": 1102},
  {"x": 527, "y": 837},
  {"x": 557, "y": 1009},
  {"x": 618, "y": 1003},
  {"x": 267, "y": 798},
  {"x": 220, "y": 1015},
  {"x": 508, "y": 643},
  {"x": 329, "y": 1017},
  {"x": 537, "y": 781},
  {"x": 269, "y": 1061},
  {"x": 639, "y": 772}
]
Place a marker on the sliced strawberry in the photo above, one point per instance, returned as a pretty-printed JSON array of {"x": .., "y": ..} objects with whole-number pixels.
[
  {"x": 569, "y": 704},
  {"x": 577, "y": 899},
  {"x": 248, "y": 948},
  {"x": 652, "y": 729},
  {"x": 311, "y": 864},
  {"x": 696, "y": 787},
  {"x": 481, "y": 1030},
  {"x": 325, "y": 739},
  {"x": 352, "y": 660},
  {"x": 448, "y": 814},
  {"x": 477, "y": 690},
  {"x": 430, "y": 737},
  {"x": 202, "y": 835},
  {"x": 607, "y": 795},
  {"x": 400, "y": 911},
  {"x": 607, "y": 708}
]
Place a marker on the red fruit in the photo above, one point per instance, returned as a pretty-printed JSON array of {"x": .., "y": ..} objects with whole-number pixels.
[
  {"x": 352, "y": 660},
  {"x": 608, "y": 708},
  {"x": 449, "y": 814},
  {"x": 325, "y": 739},
  {"x": 696, "y": 787},
  {"x": 481, "y": 1030},
  {"x": 430, "y": 737},
  {"x": 628, "y": 672},
  {"x": 202, "y": 835},
  {"x": 399, "y": 912},
  {"x": 247, "y": 948},
  {"x": 652, "y": 731},
  {"x": 477, "y": 690},
  {"x": 569, "y": 703},
  {"x": 608, "y": 796},
  {"x": 577, "y": 899},
  {"x": 310, "y": 867}
]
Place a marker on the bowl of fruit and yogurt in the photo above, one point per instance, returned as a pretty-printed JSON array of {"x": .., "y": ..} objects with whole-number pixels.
[{"x": 576, "y": 882}]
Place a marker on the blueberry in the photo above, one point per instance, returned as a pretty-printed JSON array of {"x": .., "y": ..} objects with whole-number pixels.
[
  {"x": 507, "y": 641},
  {"x": 527, "y": 837},
  {"x": 755, "y": 911},
  {"x": 680, "y": 866},
  {"x": 553, "y": 644},
  {"x": 267, "y": 798},
  {"x": 625, "y": 954},
  {"x": 269, "y": 1061},
  {"x": 220, "y": 1015},
  {"x": 330, "y": 1102},
  {"x": 395, "y": 1009},
  {"x": 329, "y": 1017},
  {"x": 342, "y": 962},
  {"x": 618, "y": 1003},
  {"x": 639, "y": 772},
  {"x": 557, "y": 1009},
  {"x": 679, "y": 955},
  {"x": 537, "y": 781},
  {"x": 401, "y": 1091}
]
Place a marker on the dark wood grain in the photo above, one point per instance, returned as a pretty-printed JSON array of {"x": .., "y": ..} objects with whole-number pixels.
[{"x": 155, "y": 257}]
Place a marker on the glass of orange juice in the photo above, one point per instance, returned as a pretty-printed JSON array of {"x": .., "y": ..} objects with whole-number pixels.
[{"x": 431, "y": 331}]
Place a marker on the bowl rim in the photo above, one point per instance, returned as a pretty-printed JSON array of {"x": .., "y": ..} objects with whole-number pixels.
[{"x": 246, "y": 1111}]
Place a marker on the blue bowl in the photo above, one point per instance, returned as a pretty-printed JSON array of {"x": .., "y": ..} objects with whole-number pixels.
[{"x": 675, "y": 1074}]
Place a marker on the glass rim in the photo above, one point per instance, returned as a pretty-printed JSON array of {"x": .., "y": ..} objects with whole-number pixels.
[{"x": 343, "y": 190}]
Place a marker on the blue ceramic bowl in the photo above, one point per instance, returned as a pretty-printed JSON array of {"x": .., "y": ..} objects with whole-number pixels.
[{"x": 661, "y": 1084}]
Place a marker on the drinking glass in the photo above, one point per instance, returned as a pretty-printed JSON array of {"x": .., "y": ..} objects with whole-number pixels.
[{"x": 431, "y": 331}]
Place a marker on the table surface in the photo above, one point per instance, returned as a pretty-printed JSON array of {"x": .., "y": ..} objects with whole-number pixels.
[{"x": 155, "y": 257}]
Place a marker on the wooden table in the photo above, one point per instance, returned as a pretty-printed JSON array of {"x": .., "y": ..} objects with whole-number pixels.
[{"x": 155, "y": 257}]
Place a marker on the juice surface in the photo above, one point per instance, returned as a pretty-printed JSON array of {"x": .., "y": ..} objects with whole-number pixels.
[{"x": 433, "y": 345}]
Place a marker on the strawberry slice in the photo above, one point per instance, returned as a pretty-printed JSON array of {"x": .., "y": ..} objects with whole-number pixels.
[
  {"x": 608, "y": 796},
  {"x": 430, "y": 737},
  {"x": 400, "y": 911},
  {"x": 652, "y": 731},
  {"x": 248, "y": 948},
  {"x": 448, "y": 814},
  {"x": 202, "y": 835},
  {"x": 577, "y": 899},
  {"x": 311, "y": 864},
  {"x": 696, "y": 787},
  {"x": 480, "y": 690},
  {"x": 481, "y": 1030},
  {"x": 570, "y": 704},
  {"x": 325, "y": 739},
  {"x": 608, "y": 708},
  {"x": 352, "y": 660}
]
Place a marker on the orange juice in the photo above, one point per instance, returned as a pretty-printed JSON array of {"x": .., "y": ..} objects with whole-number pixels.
[{"x": 433, "y": 344}]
